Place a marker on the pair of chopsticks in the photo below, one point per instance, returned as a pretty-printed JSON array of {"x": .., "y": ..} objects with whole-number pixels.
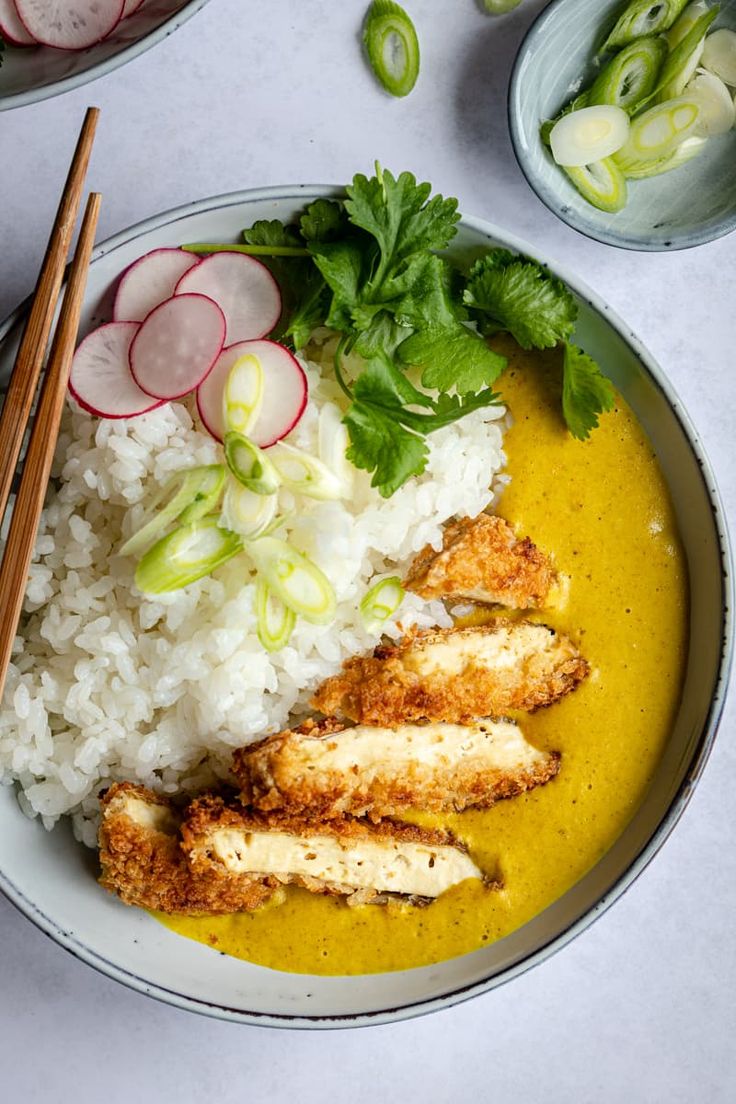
[{"x": 24, "y": 383}]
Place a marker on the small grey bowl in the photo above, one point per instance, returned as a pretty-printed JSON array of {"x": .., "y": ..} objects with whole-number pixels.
[
  {"x": 693, "y": 204},
  {"x": 35, "y": 73}
]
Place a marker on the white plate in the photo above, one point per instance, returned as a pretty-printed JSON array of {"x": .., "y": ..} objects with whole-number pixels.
[{"x": 52, "y": 879}]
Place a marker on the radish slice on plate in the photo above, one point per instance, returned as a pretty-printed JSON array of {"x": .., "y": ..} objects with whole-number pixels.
[
  {"x": 150, "y": 281},
  {"x": 243, "y": 287},
  {"x": 11, "y": 27},
  {"x": 69, "y": 24},
  {"x": 100, "y": 378},
  {"x": 130, "y": 7},
  {"x": 284, "y": 392},
  {"x": 177, "y": 346}
]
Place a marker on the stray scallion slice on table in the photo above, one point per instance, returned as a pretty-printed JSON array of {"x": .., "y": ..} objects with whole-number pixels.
[
  {"x": 274, "y": 621},
  {"x": 643, "y": 17},
  {"x": 392, "y": 46},
  {"x": 245, "y": 512},
  {"x": 589, "y": 135},
  {"x": 381, "y": 602},
  {"x": 631, "y": 75},
  {"x": 243, "y": 394},
  {"x": 659, "y": 130},
  {"x": 602, "y": 183},
  {"x": 250, "y": 465},
  {"x": 304, "y": 474},
  {"x": 185, "y": 555},
  {"x": 719, "y": 55},
  {"x": 187, "y": 496},
  {"x": 293, "y": 578}
]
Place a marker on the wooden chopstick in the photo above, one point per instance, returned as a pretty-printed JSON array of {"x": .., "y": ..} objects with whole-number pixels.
[
  {"x": 39, "y": 456},
  {"x": 24, "y": 381}
]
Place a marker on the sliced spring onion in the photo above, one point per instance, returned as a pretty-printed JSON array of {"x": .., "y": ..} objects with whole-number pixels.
[
  {"x": 719, "y": 55},
  {"x": 392, "y": 46},
  {"x": 643, "y": 17},
  {"x": 547, "y": 126},
  {"x": 681, "y": 61},
  {"x": 589, "y": 135},
  {"x": 185, "y": 555},
  {"x": 686, "y": 21},
  {"x": 188, "y": 495},
  {"x": 243, "y": 394},
  {"x": 380, "y": 602},
  {"x": 602, "y": 183},
  {"x": 333, "y": 443},
  {"x": 659, "y": 131},
  {"x": 274, "y": 621},
  {"x": 245, "y": 512},
  {"x": 717, "y": 112},
  {"x": 641, "y": 170},
  {"x": 303, "y": 473},
  {"x": 250, "y": 465},
  {"x": 293, "y": 578},
  {"x": 500, "y": 7},
  {"x": 631, "y": 75}
]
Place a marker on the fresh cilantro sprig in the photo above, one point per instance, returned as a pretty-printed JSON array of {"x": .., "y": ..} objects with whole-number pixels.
[{"x": 372, "y": 268}]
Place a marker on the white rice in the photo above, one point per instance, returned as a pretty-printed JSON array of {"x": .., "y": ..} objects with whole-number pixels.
[{"x": 107, "y": 684}]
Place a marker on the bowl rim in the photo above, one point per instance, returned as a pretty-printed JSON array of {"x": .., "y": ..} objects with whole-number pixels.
[
  {"x": 691, "y": 240},
  {"x": 102, "y": 68},
  {"x": 700, "y": 753}
]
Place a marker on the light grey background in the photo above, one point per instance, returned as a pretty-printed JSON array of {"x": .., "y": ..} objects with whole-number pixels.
[{"x": 641, "y": 1008}]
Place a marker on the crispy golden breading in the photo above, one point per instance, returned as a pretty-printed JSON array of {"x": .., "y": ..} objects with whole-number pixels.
[
  {"x": 143, "y": 861},
  {"x": 366, "y": 862},
  {"x": 482, "y": 561},
  {"x": 329, "y": 769},
  {"x": 455, "y": 675}
]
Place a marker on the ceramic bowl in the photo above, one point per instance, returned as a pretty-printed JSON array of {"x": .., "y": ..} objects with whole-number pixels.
[
  {"x": 35, "y": 73},
  {"x": 688, "y": 206},
  {"x": 52, "y": 879}
]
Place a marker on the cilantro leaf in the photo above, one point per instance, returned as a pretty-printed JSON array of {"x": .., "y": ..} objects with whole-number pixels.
[
  {"x": 586, "y": 392},
  {"x": 452, "y": 357},
  {"x": 386, "y": 437},
  {"x": 341, "y": 265},
  {"x": 324, "y": 220},
  {"x": 512, "y": 293},
  {"x": 272, "y": 232}
]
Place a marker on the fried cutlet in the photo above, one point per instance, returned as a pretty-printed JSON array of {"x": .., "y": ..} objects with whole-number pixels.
[
  {"x": 363, "y": 861},
  {"x": 455, "y": 675},
  {"x": 144, "y": 864},
  {"x": 482, "y": 561},
  {"x": 327, "y": 769}
]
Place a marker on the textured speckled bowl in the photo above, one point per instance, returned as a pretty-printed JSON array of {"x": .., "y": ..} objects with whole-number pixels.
[
  {"x": 688, "y": 206},
  {"x": 35, "y": 73},
  {"x": 52, "y": 879}
]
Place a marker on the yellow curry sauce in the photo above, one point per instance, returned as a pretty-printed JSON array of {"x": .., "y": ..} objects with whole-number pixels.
[{"x": 601, "y": 508}]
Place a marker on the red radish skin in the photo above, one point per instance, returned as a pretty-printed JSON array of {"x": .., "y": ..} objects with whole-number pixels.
[
  {"x": 177, "y": 345},
  {"x": 150, "y": 281},
  {"x": 11, "y": 27},
  {"x": 243, "y": 287},
  {"x": 129, "y": 7},
  {"x": 285, "y": 392},
  {"x": 70, "y": 24},
  {"x": 100, "y": 378}
]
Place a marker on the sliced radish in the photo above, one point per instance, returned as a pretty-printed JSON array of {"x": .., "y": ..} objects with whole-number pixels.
[
  {"x": 11, "y": 27},
  {"x": 177, "y": 346},
  {"x": 69, "y": 24},
  {"x": 243, "y": 287},
  {"x": 130, "y": 7},
  {"x": 150, "y": 281},
  {"x": 100, "y": 378},
  {"x": 284, "y": 392}
]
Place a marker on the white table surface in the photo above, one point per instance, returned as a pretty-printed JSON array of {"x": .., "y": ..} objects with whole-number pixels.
[{"x": 640, "y": 1008}]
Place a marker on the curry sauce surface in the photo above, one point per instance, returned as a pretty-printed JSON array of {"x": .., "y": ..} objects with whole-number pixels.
[{"x": 602, "y": 509}]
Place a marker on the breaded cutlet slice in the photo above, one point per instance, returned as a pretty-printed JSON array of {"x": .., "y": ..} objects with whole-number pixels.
[
  {"x": 482, "y": 561},
  {"x": 328, "y": 769},
  {"x": 363, "y": 861},
  {"x": 144, "y": 864},
  {"x": 455, "y": 675}
]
